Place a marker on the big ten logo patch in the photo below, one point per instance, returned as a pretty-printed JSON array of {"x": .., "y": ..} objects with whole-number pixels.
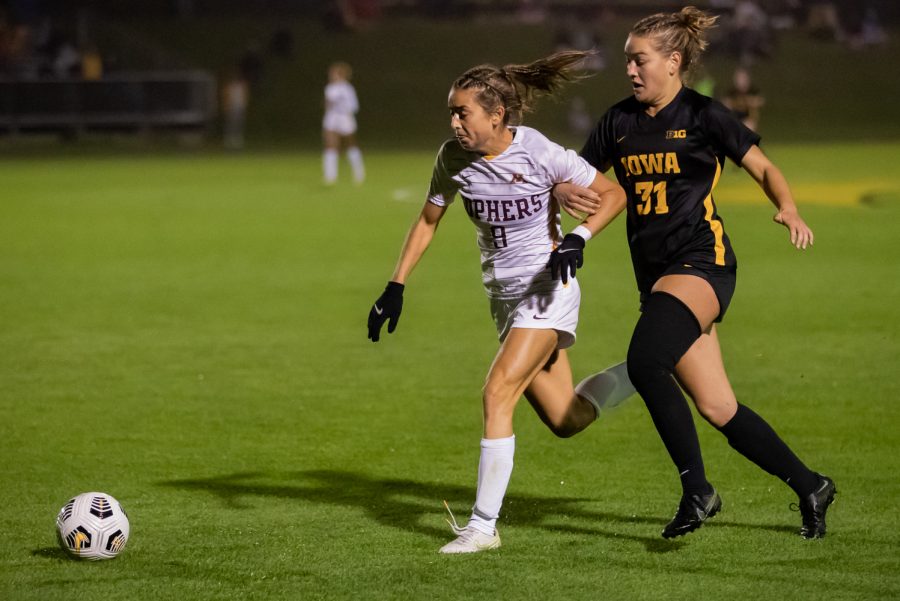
[{"x": 678, "y": 134}]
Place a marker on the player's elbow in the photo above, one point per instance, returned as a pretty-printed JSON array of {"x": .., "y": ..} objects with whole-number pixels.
[{"x": 618, "y": 199}]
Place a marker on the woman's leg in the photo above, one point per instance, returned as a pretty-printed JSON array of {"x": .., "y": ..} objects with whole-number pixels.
[
  {"x": 679, "y": 309},
  {"x": 354, "y": 156},
  {"x": 552, "y": 395},
  {"x": 702, "y": 373},
  {"x": 520, "y": 358},
  {"x": 700, "y": 370},
  {"x": 567, "y": 410},
  {"x": 331, "y": 142}
]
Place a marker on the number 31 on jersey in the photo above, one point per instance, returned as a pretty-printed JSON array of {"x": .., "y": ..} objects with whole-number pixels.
[{"x": 648, "y": 191}]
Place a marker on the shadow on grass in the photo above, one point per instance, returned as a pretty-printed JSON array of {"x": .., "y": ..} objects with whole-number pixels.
[
  {"x": 54, "y": 553},
  {"x": 403, "y": 504}
]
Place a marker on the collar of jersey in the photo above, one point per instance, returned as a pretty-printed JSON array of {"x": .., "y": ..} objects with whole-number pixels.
[
  {"x": 675, "y": 100},
  {"x": 515, "y": 140}
]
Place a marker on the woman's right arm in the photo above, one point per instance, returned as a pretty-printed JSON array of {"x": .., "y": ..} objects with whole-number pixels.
[
  {"x": 417, "y": 240},
  {"x": 390, "y": 304},
  {"x": 577, "y": 201},
  {"x": 773, "y": 183}
]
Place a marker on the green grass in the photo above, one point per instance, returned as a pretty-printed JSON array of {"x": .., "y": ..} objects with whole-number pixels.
[{"x": 187, "y": 334}]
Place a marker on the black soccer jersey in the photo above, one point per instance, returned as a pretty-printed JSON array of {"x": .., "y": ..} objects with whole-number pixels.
[{"x": 669, "y": 165}]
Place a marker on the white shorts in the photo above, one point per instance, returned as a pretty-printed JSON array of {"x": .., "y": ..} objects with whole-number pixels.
[
  {"x": 557, "y": 310},
  {"x": 342, "y": 124}
]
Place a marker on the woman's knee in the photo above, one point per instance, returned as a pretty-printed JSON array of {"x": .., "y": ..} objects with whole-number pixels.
[
  {"x": 665, "y": 331},
  {"x": 718, "y": 413},
  {"x": 579, "y": 413},
  {"x": 498, "y": 401},
  {"x": 564, "y": 429}
]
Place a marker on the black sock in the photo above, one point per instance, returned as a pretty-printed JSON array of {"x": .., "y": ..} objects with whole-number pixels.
[
  {"x": 664, "y": 332},
  {"x": 752, "y": 437},
  {"x": 675, "y": 425}
]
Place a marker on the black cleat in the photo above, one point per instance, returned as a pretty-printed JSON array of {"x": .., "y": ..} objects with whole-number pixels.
[
  {"x": 814, "y": 506},
  {"x": 692, "y": 512}
]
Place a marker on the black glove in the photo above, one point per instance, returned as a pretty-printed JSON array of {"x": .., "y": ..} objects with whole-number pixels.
[
  {"x": 567, "y": 257},
  {"x": 388, "y": 306}
]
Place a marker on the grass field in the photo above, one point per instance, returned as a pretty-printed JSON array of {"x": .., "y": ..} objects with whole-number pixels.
[{"x": 186, "y": 332}]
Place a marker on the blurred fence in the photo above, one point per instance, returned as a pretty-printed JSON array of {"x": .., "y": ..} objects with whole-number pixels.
[{"x": 126, "y": 101}]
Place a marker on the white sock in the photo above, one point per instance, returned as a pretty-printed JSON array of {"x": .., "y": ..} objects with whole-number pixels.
[
  {"x": 494, "y": 469},
  {"x": 356, "y": 164},
  {"x": 608, "y": 388},
  {"x": 330, "y": 165}
]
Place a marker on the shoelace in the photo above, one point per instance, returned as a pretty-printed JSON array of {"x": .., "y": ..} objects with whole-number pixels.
[
  {"x": 457, "y": 529},
  {"x": 810, "y": 520}
]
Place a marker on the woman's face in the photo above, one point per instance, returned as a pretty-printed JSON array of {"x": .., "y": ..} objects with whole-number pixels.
[
  {"x": 336, "y": 73},
  {"x": 474, "y": 128},
  {"x": 655, "y": 77}
]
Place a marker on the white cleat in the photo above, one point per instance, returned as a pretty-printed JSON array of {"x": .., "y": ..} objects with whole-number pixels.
[
  {"x": 468, "y": 539},
  {"x": 471, "y": 540}
]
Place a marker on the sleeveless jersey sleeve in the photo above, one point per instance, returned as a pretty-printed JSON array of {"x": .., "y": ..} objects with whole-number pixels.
[{"x": 727, "y": 133}]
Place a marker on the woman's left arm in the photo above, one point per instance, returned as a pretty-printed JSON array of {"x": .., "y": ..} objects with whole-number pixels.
[
  {"x": 773, "y": 183},
  {"x": 569, "y": 256},
  {"x": 612, "y": 201}
]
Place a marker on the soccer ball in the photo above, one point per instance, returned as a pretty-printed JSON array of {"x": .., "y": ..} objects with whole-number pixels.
[{"x": 93, "y": 526}]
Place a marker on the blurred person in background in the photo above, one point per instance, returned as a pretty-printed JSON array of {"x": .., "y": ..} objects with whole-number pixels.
[
  {"x": 91, "y": 63},
  {"x": 823, "y": 20},
  {"x": 235, "y": 98},
  {"x": 339, "y": 125},
  {"x": 66, "y": 59},
  {"x": 504, "y": 172},
  {"x": 18, "y": 21},
  {"x": 251, "y": 63},
  {"x": 751, "y": 32},
  {"x": 863, "y": 25},
  {"x": 667, "y": 145},
  {"x": 744, "y": 98}
]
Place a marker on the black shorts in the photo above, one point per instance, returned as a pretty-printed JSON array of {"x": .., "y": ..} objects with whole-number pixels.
[{"x": 722, "y": 279}]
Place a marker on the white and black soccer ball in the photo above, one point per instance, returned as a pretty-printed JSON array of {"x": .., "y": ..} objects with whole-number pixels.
[{"x": 93, "y": 526}]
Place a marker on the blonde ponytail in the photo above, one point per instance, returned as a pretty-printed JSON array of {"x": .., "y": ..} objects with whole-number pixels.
[{"x": 683, "y": 32}]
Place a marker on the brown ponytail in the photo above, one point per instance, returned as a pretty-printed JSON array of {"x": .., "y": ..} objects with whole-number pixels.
[{"x": 515, "y": 87}]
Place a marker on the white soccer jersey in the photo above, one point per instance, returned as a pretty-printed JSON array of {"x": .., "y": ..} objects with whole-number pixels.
[
  {"x": 340, "y": 99},
  {"x": 508, "y": 199}
]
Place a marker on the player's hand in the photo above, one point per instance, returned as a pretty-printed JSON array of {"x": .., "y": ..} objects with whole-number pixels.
[
  {"x": 801, "y": 235},
  {"x": 388, "y": 306},
  {"x": 575, "y": 200},
  {"x": 567, "y": 258}
]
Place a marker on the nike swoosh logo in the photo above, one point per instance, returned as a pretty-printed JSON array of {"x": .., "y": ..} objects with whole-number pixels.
[
  {"x": 568, "y": 250},
  {"x": 378, "y": 310},
  {"x": 538, "y": 317},
  {"x": 620, "y": 139}
]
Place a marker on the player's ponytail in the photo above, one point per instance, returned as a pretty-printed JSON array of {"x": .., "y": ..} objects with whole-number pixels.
[
  {"x": 515, "y": 87},
  {"x": 683, "y": 32}
]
